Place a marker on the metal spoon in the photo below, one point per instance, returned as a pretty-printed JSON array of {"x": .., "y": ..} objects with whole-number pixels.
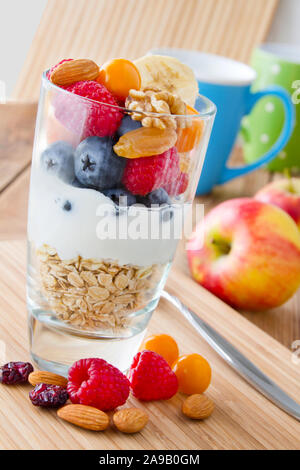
[{"x": 237, "y": 360}]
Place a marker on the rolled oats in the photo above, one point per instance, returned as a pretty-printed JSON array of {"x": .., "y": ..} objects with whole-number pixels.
[
  {"x": 91, "y": 293},
  {"x": 142, "y": 273},
  {"x": 50, "y": 281},
  {"x": 89, "y": 278},
  {"x": 75, "y": 280},
  {"x": 105, "y": 279},
  {"x": 121, "y": 281},
  {"x": 98, "y": 293}
]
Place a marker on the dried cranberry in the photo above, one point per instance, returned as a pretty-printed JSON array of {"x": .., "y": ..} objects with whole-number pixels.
[
  {"x": 15, "y": 372},
  {"x": 50, "y": 396}
]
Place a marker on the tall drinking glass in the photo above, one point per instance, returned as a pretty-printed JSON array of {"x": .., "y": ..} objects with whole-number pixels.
[{"x": 97, "y": 263}]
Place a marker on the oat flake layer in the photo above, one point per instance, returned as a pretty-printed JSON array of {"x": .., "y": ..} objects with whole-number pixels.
[{"x": 93, "y": 293}]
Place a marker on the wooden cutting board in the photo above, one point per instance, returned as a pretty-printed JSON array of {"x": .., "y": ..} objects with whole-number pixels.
[
  {"x": 102, "y": 29},
  {"x": 243, "y": 419}
]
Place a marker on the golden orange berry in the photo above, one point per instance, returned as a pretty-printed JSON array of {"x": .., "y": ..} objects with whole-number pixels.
[
  {"x": 193, "y": 373},
  {"x": 164, "y": 345},
  {"x": 119, "y": 76},
  {"x": 189, "y": 137}
]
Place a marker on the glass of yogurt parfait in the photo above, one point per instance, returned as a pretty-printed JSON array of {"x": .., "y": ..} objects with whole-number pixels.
[{"x": 117, "y": 157}]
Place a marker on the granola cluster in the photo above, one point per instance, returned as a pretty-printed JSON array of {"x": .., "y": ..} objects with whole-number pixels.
[
  {"x": 90, "y": 293},
  {"x": 156, "y": 101}
]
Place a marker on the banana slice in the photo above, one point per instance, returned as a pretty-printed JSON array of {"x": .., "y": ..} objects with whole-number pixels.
[{"x": 168, "y": 73}]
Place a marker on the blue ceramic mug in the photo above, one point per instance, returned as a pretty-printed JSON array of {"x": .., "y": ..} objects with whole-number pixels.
[{"x": 228, "y": 84}]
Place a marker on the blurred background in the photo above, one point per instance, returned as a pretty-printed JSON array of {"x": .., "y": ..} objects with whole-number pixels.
[
  {"x": 15, "y": 41},
  {"x": 19, "y": 23}
]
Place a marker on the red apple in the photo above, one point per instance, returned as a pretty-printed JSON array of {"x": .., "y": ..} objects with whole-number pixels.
[
  {"x": 284, "y": 193},
  {"x": 247, "y": 253}
]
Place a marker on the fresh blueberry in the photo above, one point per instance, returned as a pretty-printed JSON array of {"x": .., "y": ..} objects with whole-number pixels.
[
  {"x": 58, "y": 159},
  {"x": 96, "y": 164},
  {"x": 77, "y": 184},
  {"x": 157, "y": 197},
  {"x": 67, "y": 206},
  {"x": 120, "y": 197},
  {"x": 127, "y": 125},
  {"x": 161, "y": 198}
]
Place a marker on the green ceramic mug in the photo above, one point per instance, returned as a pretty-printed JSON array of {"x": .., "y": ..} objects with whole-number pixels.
[{"x": 275, "y": 64}]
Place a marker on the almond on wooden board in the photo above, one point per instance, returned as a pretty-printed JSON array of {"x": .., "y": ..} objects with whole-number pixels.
[
  {"x": 45, "y": 377},
  {"x": 74, "y": 71},
  {"x": 130, "y": 420},
  {"x": 197, "y": 406},
  {"x": 84, "y": 416}
]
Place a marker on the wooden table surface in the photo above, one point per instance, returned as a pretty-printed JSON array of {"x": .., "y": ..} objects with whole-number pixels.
[
  {"x": 242, "y": 419},
  {"x": 16, "y": 136}
]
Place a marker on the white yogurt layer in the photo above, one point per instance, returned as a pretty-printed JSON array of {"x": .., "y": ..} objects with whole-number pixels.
[{"x": 88, "y": 229}]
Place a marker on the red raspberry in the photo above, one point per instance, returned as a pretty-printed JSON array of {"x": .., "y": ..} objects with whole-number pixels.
[
  {"x": 177, "y": 186},
  {"x": 144, "y": 175},
  {"x": 87, "y": 118},
  {"x": 151, "y": 377},
  {"x": 96, "y": 383},
  {"x": 55, "y": 66}
]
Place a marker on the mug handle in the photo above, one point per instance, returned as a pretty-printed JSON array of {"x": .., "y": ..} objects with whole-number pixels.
[{"x": 289, "y": 109}]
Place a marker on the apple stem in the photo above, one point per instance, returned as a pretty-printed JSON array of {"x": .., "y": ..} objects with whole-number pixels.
[{"x": 222, "y": 246}]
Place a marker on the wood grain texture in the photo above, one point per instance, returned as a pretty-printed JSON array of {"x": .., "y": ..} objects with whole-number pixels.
[
  {"x": 243, "y": 419},
  {"x": 102, "y": 29},
  {"x": 13, "y": 208},
  {"x": 16, "y": 137}
]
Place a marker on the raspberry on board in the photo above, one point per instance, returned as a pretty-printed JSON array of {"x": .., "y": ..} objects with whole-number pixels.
[
  {"x": 97, "y": 116},
  {"x": 97, "y": 383},
  {"x": 48, "y": 396},
  {"x": 15, "y": 372},
  {"x": 151, "y": 377},
  {"x": 146, "y": 174}
]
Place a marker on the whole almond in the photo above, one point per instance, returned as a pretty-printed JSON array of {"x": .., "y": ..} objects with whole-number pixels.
[
  {"x": 198, "y": 407},
  {"x": 84, "y": 416},
  {"x": 74, "y": 71},
  {"x": 42, "y": 376},
  {"x": 130, "y": 420}
]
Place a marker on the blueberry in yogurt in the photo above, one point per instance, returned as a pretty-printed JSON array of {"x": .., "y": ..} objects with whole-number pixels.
[
  {"x": 67, "y": 206},
  {"x": 121, "y": 197},
  {"x": 160, "y": 198},
  {"x": 127, "y": 125},
  {"x": 96, "y": 164},
  {"x": 77, "y": 183},
  {"x": 58, "y": 160},
  {"x": 157, "y": 197}
]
